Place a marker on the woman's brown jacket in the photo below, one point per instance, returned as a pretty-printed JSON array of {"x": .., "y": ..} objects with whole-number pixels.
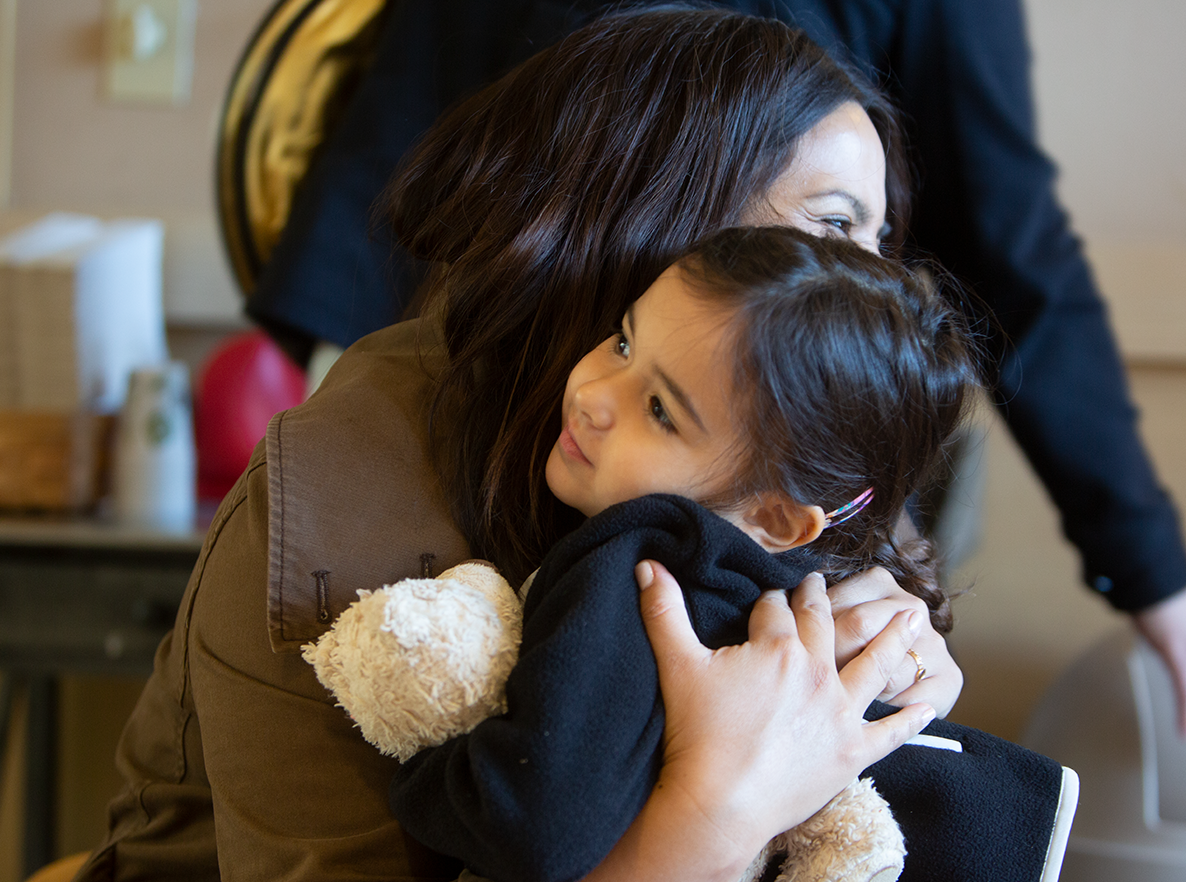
[{"x": 237, "y": 764}]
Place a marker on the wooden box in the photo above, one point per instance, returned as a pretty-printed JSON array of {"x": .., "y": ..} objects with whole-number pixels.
[{"x": 53, "y": 461}]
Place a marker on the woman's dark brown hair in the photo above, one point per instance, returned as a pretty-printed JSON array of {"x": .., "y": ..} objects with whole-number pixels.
[
  {"x": 550, "y": 200},
  {"x": 851, "y": 373}
]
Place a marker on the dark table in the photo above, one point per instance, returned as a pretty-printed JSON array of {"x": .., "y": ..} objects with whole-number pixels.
[{"x": 78, "y": 596}]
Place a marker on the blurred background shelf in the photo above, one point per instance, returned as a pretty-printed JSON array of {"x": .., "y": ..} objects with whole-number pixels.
[{"x": 78, "y": 597}]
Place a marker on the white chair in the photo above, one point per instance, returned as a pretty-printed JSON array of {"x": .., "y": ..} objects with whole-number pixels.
[{"x": 1111, "y": 717}]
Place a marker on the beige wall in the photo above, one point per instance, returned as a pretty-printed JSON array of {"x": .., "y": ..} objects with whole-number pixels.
[
  {"x": 1110, "y": 89},
  {"x": 1109, "y": 86},
  {"x": 1111, "y": 99},
  {"x": 1026, "y": 615}
]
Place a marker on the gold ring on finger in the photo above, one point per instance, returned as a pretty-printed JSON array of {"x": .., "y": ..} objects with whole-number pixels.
[{"x": 921, "y": 673}]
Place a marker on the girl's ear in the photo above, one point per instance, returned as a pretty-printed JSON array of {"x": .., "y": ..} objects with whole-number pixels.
[{"x": 778, "y": 523}]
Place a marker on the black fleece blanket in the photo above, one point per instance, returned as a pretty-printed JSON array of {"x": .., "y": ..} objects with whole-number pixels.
[{"x": 544, "y": 791}]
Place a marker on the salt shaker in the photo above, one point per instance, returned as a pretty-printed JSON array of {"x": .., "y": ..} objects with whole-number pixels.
[{"x": 155, "y": 463}]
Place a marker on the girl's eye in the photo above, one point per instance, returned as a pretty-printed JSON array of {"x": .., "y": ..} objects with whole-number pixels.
[
  {"x": 659, "y": 413},
  {"x": 621, "y": 345}
]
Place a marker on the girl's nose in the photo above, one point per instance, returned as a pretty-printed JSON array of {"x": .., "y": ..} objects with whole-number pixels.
[{"x": 594, "y": 399}]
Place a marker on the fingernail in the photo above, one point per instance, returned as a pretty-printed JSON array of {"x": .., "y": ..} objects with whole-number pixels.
[
  {"x": 927, "y": 716},
  {"x": 812, "y": 578},
  {"x": 914, "y": 622},
  {"x": 645, "y": 574}
]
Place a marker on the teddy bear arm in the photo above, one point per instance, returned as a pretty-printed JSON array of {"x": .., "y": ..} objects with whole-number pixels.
[{"x": 423, "y": 660}]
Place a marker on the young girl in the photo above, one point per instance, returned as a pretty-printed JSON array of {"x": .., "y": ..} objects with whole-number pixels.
[
  {"x": 786, "y": 394},
  {"x": 785, "y": 382}
]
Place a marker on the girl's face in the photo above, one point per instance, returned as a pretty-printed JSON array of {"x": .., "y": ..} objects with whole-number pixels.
[
  {"x": 835, "y": 186},
  {"x": 650, "y": 409}
]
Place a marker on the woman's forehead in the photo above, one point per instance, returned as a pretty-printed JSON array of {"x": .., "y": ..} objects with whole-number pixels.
[{"x": 839, "y": 164}]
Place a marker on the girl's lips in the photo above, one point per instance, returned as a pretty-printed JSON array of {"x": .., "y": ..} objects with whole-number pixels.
[{"x": 569, "y": 445}]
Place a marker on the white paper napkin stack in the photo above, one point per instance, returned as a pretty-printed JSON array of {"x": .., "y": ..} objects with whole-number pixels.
[{"x": 80, "y": 309}]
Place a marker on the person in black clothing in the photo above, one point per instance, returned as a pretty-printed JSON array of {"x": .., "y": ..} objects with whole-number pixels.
[{"x": 986, "y": 209}]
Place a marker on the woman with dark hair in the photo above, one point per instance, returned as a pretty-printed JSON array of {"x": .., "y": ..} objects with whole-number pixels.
[
  {"x": 616, "y": 184},
  {"x": 544, "y": 206}
]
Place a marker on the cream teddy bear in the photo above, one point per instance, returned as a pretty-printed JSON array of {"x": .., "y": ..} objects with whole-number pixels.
[{"x": 419, "y": 662}]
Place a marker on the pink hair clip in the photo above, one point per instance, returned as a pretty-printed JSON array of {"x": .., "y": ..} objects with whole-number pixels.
[{"x": 849, "y": 509}]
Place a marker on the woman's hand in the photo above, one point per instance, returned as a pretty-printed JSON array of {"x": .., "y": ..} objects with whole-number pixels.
[
  {"x": 1164, "y": 626},
  {"x": 759, "y": 736},
  {"x": 863, "y": 606}
]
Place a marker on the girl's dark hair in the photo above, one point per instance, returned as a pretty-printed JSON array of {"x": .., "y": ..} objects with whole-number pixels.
[
  {"x": 851, "y": 372},
  {"x": 550, "y": 200}
]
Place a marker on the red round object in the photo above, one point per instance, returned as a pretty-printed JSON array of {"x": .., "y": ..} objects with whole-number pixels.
[{"x": 246, "y": 380}]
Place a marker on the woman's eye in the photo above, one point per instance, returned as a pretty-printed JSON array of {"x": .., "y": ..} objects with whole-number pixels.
[
  {"x": 838, "y": 222},
  {"x": 659, "y": 413},
  {"x": 621, "y": 345}
]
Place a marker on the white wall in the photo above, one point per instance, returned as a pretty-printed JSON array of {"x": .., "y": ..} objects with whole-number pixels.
[{"x": 74, "y": 150}]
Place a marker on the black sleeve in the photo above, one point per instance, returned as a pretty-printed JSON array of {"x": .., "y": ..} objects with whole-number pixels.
[
  {"x": 336, "y": 274},
  {"x": 987, "y": 209}
]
